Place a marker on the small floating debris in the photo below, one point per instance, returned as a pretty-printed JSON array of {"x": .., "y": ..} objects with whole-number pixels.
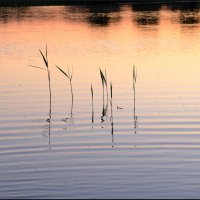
[
  {"x": 48, "y": 120},
  {"x": 119, "y": 107}
]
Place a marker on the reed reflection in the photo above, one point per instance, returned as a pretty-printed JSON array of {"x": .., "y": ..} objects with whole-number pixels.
[
  {"x": 49, "y": 130},
  {"x": 49, "y": 124},
  {"x": 111, "y": 116}
]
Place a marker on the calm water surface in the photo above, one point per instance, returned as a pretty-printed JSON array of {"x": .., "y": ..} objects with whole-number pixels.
[{"x": 152, "y": 148}]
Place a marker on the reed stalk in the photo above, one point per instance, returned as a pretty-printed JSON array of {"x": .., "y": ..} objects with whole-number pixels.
[
  {"x": 134, "y": 77},
  {"x": 111, "y": 96},
  {"x": 45, "y": 59},
  {"x": 111, "y": 117},
  {"x": 69, "y": 75},
  {"x": 92, "y": 94},
  {"x": 134, "y": 83},
  {"x": 104, "y": 84}
]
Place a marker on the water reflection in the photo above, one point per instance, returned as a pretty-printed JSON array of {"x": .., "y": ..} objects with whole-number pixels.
[
  {"x": 69, "y": 120},
  {"x": 16, "y": 14},
  {"x": 103, "y": 8},
  {"x": 184, "y": 6},
  {"x": 49, "y": 123},
  {"x": 49, "y": 133},
  {"x": 103, "y": 14},
  {"x": 135, "y": 118},
  {"x": 99, "y": 15},
  {"x": 189, "y": 17},
  {"x": 146, "y": 14},
  {"x": 112, "y": 130},
  {"x": 147, "y": 18},
  {"x": 99, "y": 19},
  {"x": 27, "y": 14},
  {"x": 147, "y": 7}
]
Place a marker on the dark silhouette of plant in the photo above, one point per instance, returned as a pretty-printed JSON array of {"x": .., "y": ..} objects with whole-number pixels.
[
  {"x": 92, "y": 94},
  {"x": 45, "y": 59},
  {"x": 134, "y": 83},
  {"x": 69, "y": 75},
  {"x": 104, "y": 85}
]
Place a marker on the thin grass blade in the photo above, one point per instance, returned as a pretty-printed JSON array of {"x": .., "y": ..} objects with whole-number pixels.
[
  {"x": 45, "y": 60},
  {"x": 101, "y": 74},
  {"x": 63, "y": 72},
  {"x": 46, "y": 51},
  {"x": 134, "y": 75},
  {"x": 103, "y": 79},
  {"x": 72, "y": 73},
  {"x": 111, "y": 93},
  {"x": 92, "y": 90},
  {"x": 37, "y": 67}
]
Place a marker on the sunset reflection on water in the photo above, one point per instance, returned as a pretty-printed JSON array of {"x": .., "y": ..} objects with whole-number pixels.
[{"x": 154, "y": 129}]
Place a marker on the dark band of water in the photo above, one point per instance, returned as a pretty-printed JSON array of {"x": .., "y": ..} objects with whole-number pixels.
[{"x": 79, "y": 2}]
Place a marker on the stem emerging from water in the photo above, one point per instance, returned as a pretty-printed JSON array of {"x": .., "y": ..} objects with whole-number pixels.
[{"x": 69, "y": 75}]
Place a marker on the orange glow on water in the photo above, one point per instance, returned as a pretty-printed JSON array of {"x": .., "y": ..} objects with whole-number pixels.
[{"x": 157, "y": 50}]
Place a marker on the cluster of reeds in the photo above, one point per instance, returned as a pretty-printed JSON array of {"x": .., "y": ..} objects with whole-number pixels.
[{"x": 104, "y": 81}]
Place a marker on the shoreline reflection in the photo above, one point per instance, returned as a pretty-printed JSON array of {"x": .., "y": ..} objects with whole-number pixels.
[{"x": 103, "y": 15}]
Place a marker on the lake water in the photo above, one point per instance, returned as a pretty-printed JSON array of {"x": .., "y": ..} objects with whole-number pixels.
[{"x": 148, "y": 149}]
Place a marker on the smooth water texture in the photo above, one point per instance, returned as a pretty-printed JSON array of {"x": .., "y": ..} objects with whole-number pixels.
[{"x": 148, "y": 149}]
